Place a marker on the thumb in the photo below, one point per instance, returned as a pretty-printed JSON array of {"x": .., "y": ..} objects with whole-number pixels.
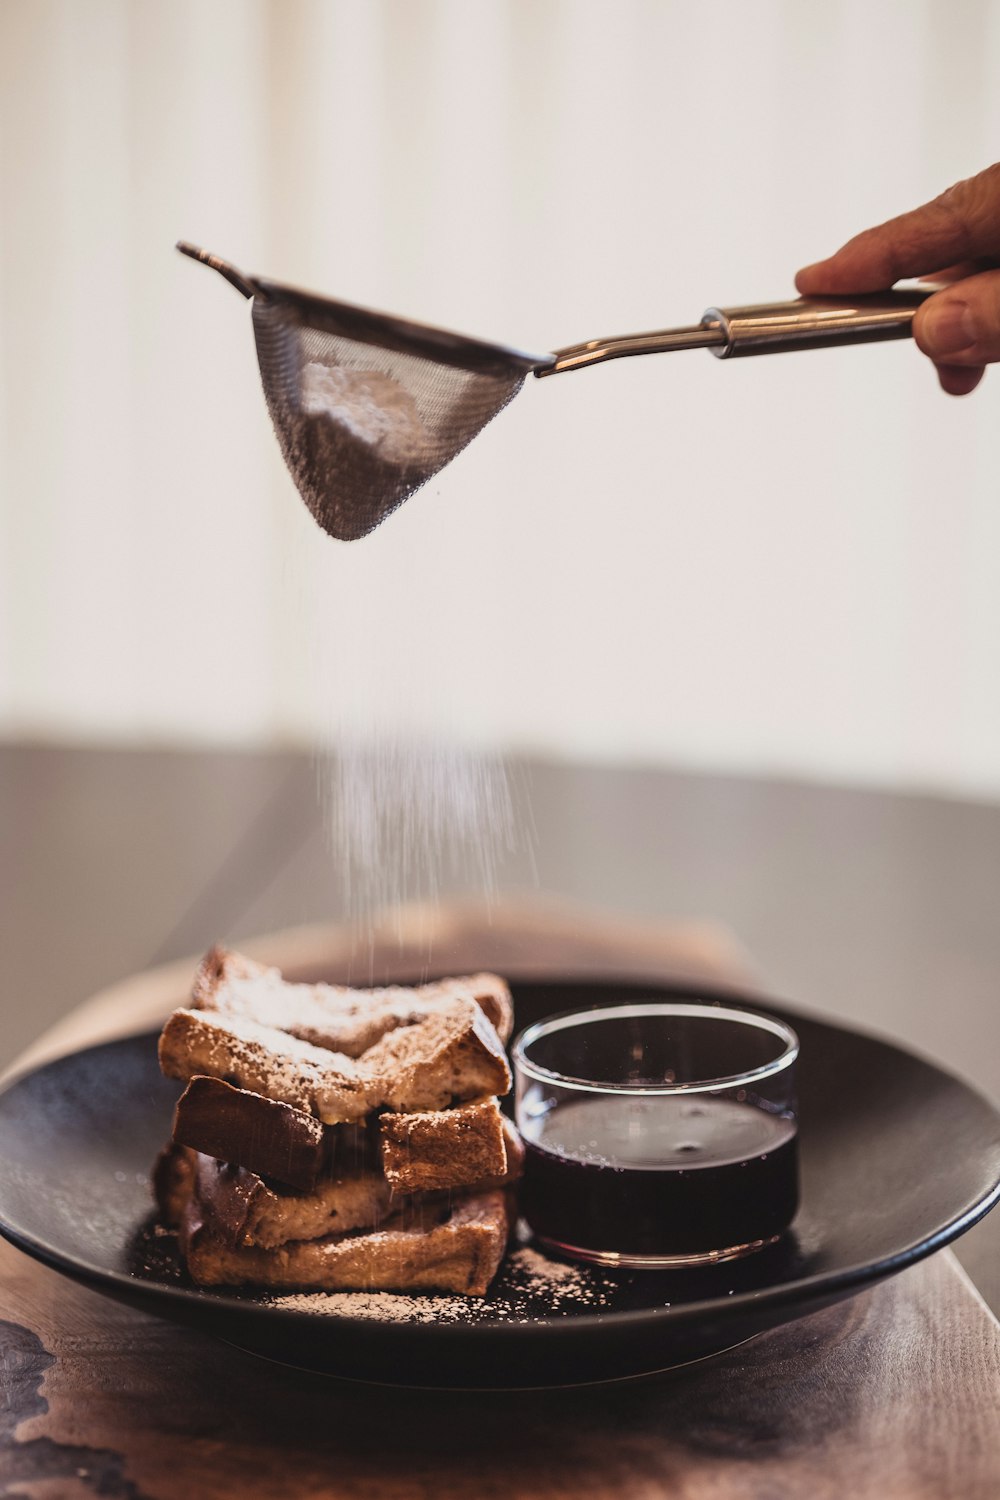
[{"x": 961, "y": 325}]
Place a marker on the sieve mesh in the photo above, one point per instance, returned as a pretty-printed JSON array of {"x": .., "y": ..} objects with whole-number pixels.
[{"x": 361, "y": 424}]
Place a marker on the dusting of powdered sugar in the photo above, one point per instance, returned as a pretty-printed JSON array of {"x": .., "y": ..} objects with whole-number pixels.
[
  {"x": 533, "y": 1289},
  {"x": 418, "y": 801},
  {"x": 371, "y": 407},
  {"x": 407, "y": 818}
]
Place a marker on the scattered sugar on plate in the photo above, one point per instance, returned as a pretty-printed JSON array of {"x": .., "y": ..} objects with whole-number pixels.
[
  {"x": 558, "y": 1281},
  {"x": 532, "y": 1288},
  {"x": 379, "y": 1307}
]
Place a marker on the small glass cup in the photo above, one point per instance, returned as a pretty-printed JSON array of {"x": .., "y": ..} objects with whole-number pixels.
[{"x": 658, "y": 1135}]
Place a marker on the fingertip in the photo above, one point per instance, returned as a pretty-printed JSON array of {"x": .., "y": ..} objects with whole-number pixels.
[
  {"x": 959, "y": 380},
  {"x": 810, "y": 279},
  {"x": 849, "y": 273}
]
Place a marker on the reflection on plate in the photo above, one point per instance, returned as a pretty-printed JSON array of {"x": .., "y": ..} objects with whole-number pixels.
[{"x": 898, "y": 1158}]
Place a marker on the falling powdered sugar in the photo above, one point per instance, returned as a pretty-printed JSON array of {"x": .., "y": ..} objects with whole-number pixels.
[
  {"x": 408, "y": 819},
  {"x": 398, "y": 672}
]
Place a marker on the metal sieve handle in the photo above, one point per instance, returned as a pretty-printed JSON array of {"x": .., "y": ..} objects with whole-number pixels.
[
  {"x": 814, "y": 322},
  {"x": 235, "y": 278},
  {"x": 768, "y": 328}
]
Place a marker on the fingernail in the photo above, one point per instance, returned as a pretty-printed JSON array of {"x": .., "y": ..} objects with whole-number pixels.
[{"x": 948, "y": 327}]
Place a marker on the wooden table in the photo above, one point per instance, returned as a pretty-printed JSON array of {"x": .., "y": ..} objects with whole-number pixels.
[{"x": 894, "y": 1394}]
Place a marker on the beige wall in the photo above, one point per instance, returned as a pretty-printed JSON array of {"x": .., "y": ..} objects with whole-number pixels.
[{"x": 784, "y": 564}]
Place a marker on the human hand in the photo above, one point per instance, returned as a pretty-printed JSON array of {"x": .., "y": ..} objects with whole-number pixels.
[{"x": 954, "y": 239}]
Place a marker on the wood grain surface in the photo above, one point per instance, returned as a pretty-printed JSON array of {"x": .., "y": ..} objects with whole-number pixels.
[{"x": 894, "y": 1395}]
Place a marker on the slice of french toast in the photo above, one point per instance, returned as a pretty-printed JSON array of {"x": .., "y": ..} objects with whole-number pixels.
[
  {"x": 335, "y": 1016},
  {"x": 268, "y": 1062},
  {"x": 454, "y": 1247},
  {"x": 240, "y": 1208},
  {"x": 433, "y": 1150},
  {"x": 450, "y": 1055}
]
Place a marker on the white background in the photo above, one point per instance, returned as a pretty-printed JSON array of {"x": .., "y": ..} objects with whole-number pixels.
[{"x": 787, "y": 564}]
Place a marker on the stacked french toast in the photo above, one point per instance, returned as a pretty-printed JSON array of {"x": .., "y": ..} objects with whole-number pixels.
[{"x": 334, "y": 1139}]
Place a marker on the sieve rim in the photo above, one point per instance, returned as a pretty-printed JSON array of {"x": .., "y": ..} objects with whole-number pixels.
[{"x": 402, "y": 335}]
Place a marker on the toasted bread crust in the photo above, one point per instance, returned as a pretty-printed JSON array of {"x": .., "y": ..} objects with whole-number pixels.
[
  {"x": 456, "y": 1249},
  {"x": 515, "y": 1151},
  {"x": 173, "y": 1183},
  {"x": 238, "y": 1126}
]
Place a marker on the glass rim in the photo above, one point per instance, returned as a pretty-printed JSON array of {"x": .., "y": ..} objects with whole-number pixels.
[{"x": 564, "y": 1020}]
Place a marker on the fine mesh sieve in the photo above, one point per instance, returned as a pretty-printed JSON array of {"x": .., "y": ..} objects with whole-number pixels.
[{"x": 368, "y": 407}]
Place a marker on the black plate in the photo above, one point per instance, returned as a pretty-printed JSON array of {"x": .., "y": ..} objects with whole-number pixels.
[{"x": 898, "y": 1158}]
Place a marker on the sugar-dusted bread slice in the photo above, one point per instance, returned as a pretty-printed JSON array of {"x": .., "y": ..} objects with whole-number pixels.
[
  {"x": 453, "y": 1054},
  {"x": 275, "y": 1140},
  {"x": 446, "y": 1148},
  {"x": 268, "y": 1062},
  {"x": 334, "y": 1016},
  {"x": 448, "y": 1247}
]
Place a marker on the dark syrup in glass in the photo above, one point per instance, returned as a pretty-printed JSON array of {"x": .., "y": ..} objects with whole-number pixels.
[{"x": 659, "y": 1176}]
